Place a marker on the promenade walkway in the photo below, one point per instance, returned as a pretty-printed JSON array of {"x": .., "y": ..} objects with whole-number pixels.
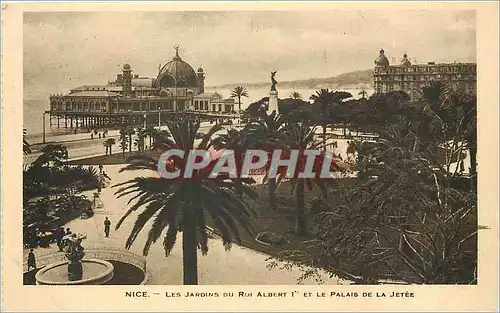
[{"x": 239, "y": 266}]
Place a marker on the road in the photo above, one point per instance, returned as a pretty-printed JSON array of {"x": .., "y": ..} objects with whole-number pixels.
[{"x": 80, "y": 146}]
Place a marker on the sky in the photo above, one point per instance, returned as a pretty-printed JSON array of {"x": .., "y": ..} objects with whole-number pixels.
[{"x": 63, "y": 50}]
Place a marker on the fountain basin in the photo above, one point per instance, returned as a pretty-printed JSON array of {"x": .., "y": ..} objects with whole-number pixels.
[{"x": 95, "y": 272}]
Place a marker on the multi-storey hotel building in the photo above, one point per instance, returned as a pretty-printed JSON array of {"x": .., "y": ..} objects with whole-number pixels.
[{"x": 412, "y": 77}]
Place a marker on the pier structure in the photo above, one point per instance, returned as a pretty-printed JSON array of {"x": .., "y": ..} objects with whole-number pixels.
[{"x": 131, "y": 100}]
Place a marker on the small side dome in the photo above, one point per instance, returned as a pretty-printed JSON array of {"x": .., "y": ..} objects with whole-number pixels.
[
  {"x": 200, "y": 69},
  {"x": 405, "y": 61},
  {"x": 126, "y": 66},
  {"x": 382, "y": 60}
]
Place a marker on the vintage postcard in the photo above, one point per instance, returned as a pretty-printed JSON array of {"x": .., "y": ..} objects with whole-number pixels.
[{"x": 250, "y": 156}]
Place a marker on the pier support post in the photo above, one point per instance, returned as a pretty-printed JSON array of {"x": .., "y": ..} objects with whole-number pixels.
[{"x": 43, "y": 115}]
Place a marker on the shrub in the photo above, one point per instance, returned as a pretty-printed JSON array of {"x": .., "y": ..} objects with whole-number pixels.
[
  {"x": 318, "y": 205},
  {"x": 271, "y": 238}
]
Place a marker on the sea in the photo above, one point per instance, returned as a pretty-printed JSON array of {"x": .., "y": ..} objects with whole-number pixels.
[{"x": 34, "y": 108}]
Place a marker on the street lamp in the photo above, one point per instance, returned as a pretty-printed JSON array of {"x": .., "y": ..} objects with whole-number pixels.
[
  {"x": 159, "y": 117},
  {"x": 145, "y": 120}
]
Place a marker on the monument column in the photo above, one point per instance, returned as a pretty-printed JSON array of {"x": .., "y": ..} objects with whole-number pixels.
[{"x": 273, "y": 95}]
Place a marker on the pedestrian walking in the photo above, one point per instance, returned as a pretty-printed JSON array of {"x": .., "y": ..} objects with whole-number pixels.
[
  {"x": 92, "y": 136},
  {"x": 107, "y": 226},
  {"x": 31, "y": 260}
]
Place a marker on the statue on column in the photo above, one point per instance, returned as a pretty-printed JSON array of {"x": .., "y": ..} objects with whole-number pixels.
[
  {"x": 74, "y": 253},
  {"x": 273, "y": 81}
]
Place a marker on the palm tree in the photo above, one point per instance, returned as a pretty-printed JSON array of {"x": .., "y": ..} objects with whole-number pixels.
[
  {"x": 256, "y": 110},
  {"x": 267, "y": 134},
  {"x": 108, "y": 144},
  {"x": 455, "y": 122},
  {"x": 300, "y": 136},
  {"x": 323, "y": 97},
  {"x": 139, "y": 141},
  {"x": 182, "y": 205},
  {"x": 150, "y": 131},
  {"x": 231, "y": 140},
  {"x": 130, "y": 131},
  {"x": 328, "y": 101},
  {"x": 123, "y": 141},
  {"x": 52, "y": 154},
  {"x": 238, "y": 92},
  {"x": 160, "y": 137},
  {"x": 26, "y": 145},
  {"x": 255, "y": 135},
  {"x": 363, "y": 93},
  {"x": 296, "y": 95}
]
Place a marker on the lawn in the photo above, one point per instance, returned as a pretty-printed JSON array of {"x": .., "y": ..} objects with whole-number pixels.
[
  {"x": 282, "y": 221},
  {"x": 110, "y": 159}
]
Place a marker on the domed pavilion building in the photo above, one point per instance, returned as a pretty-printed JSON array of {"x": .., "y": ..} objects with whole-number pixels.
[{"x": 133, "y": 99}]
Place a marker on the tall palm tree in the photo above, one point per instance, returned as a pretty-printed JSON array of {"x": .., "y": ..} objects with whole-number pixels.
[
  {"x": 139, "y": 141},
  {"x": 255, "y": 135},
  {"x": 108, "y": 144},
  {"x": 130, "y": 131},
  {"x": 182, "y": 205},
  {"x": 363, "y": 93},
  {"x": 124, "y": 143},
  {"x": 296, "y": 95},
  {"x": 150, "y": 131},
  {"x": 26, "y": 145},
  {"x": 323, "y": 97},
  {"x": 300, "y": 136},
  {"x": 267, "y": 134},
  {"x": 238, "y": 92},
  {"x": 454, "y": 116}
]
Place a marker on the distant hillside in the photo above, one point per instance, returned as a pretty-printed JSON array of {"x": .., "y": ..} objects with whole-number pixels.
[{"x": 346, "y": 79}]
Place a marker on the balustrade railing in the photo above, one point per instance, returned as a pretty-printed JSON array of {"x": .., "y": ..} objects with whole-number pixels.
[{"x": 102, "y": 253}]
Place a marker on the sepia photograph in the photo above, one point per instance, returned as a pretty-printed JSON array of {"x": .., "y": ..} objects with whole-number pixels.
[{"x": 306, "y": 147}]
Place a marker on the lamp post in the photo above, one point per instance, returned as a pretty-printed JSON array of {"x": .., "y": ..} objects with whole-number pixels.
[
  {"x": 43, "y": 116},
  {"x": 145, "y": 120},
  {"x": 159, "y": 117}
]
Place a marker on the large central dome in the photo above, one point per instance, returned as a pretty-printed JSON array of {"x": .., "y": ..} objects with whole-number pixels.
[{"x": 177, "y": 73}]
